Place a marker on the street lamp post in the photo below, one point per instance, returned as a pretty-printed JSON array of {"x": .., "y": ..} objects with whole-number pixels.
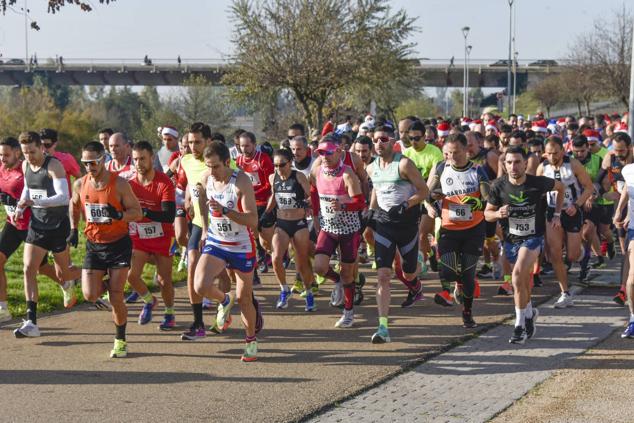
[
  {"x": 465, "y": 33},
  {"x": 508, "y": 75},
  {"x": 467, "y": 91},
  {"x": 514, "y": 78}
]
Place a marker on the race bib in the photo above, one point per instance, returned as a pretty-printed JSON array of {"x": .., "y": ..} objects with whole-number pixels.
[
  {"x": 285, "y": 200},
  {"x": 150, "y": 230},
  {"x": 193, "y": 191},
  {"x": 460, "y": 212},
  {"x": 325, "y": 206},
  {"x": 97, "y": 213},
  {"x": 37, "y": 194},
  {"x": 222, "y": 226},
  {"x": 522, "y": 226},
  {"x": 254, "y": 177}
]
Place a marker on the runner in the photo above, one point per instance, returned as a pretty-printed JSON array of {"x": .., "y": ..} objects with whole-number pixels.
[
  {"x": 291, "y": 197},
  {"x": 153, "y": 235},
  {"x": 340, "y": 200},
  {"x": 579, "y": 189},
  {"x": 169, "y": 137},
  {"x": 49, "y": 144},
  {"x": 363, "y": 148},
  {"x": 46, "y": 193},
  {"x": 104, "y": 137},
  {"x": 15, "y": 230},
  {"x": 463, "y": 188},
  {"x": 517, "y": 201},
  {"x": 108, "y": 204},
  {"x": 398, "y": 190},
  {"x": 121, "y": 162},
  {"x": 230, "y": 199}
]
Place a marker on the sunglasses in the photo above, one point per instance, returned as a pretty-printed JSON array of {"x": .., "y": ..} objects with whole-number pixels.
[
  {"x": 417, "y": 138},
  {"x": 279, "y": 165},
  {"x": 326, "y": 153},
  {"x": 382, "y": 140},
  {"x": 48, "y": 144},
  {"x": 91, "y": 162}
]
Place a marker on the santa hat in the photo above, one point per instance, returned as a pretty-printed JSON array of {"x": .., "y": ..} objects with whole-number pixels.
[
  {"x": 621, "y": 127},
  {"x": 465, "y": 121},
  {"x": 169, "y": 130},
  {"x": 540, "y": 126},
  {"x": 443, "y": 129},
  {"x": 491, "y": 125},
  {"x": 591, "y": 134},
  {"x": 561, "y": 122}
]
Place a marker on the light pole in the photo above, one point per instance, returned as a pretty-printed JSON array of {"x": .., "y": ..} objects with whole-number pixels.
[
  {"x": 465, "y": 33},
  {"x": 514, "y": 78},
  {"x": 508, "y": 75},
  {"x": 26, "y": 34},
  {"x": 467, "y": 91}
]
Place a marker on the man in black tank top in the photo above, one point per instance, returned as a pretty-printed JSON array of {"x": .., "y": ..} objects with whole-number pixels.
[{"x": 46, "y": 192}]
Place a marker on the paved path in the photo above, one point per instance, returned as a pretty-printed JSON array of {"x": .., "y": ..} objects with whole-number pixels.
[{"x": 475, "y": 381}]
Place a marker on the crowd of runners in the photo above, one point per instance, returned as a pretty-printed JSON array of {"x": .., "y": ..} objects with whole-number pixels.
[{"x": 522, "y": 197}]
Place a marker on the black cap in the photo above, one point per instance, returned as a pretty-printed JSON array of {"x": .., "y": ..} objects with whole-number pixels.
[{"x": 48, "y": 134}]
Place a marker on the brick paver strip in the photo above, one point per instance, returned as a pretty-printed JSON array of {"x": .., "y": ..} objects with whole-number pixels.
[{"x": 477, "y": 380}]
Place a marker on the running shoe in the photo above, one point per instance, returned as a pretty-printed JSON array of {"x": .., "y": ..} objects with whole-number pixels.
[
  {"x": 319, "y": 280},
  {"x": 120, "y": 349},
  {"x": 611, "y": 250},
  {"x": 497, "y": 271},
  {"x": 381, "y": 336},
  {"x": 282, "y": 301},
  {"x": 476, "y": 289},
  {"x": 629, "y": 331},
  {"x": 537, "y": 281},
  {"x": 132, "y": 298},
  {"x": 310, "y": 304},
  {"x": 250, "y": 352},
  {"x": 313, "y": 289},
  {"x": 565, "y": 300},
  {"x": 286, "y": 261},
  {"x": 207, "y": 304},
  {"x": 4, "y": 314},
  {"x": 262, "y": 266},
  {"x": 223, "y": 329},
  {"x": 102, "y": 304},
  {"x": 298, "y": 286},
  {"x": 620, "y": 298},
  {"x": 547, "y": 269},
  {"x": 182, "y": 264},
  {"x": 599, "y": 264},
  {"x": 584, "y": 265},
  {"x": 27, "y": 330},
  {"x": 70, "y": 299},
  {"x": 467, "y": 320},
  {"x": 224, "y": 311},
  {"x": 336, "y": 296},
  {"x": 568, "y": 264},
  {"x": 358, "y": 296},
  {"x": 458, "y": 295},
  {"x": 346, "y": 320},
  {"x": 433, "y": 261},
  {"x": 443, "y": 298},
  {"x": 505, "y": 289},
  {"x": 485, "y": 271},
  {"x": 168, "y": 323},
  {"x": 519, "y": 335},
  {"x": 145, "y": 316},
  {"x": 413, "y": 297},
  {"x": 194, "y": 333},
  {"x": 422, "y": 264},
  {"x": 531, "y": 324},
  {"x": 259, "y": 319}
]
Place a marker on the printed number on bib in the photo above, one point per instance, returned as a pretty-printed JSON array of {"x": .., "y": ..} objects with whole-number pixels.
[
  {"x": 37, "y": 194},
  {"x": 97, "y": 213},
  {"x": 460, "y": 212},
  {"x": 193, "y": 191},
  {"x": 285, "y": 200},
  {"x": 222, "y": 227},
  {"x": 150, "y": 230},
  {"x": 519, "y": 226},
  {"x": 325, "y": 206}
]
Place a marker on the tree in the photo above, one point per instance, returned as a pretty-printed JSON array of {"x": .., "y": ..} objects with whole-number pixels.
[
  {"x": 54, "y": 6},
  {"x": 309, "y": 46},
  {"x": 546, "y": 92},
  {"x": 422, "y": 107}
]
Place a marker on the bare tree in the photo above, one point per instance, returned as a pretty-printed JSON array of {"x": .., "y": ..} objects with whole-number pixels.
[{"x": 547, "y": 92}]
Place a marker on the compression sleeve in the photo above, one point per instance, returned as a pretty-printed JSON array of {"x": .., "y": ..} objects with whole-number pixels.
[
  {"x": 180, "y": 197},
  {"x": 166, "y": 215},
  {"x": 357, "y": 204},
  {"x": 61, "y": 197}
]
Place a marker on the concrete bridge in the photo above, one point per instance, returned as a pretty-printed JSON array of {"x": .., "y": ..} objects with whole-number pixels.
[{"x": 173, "y": 72}]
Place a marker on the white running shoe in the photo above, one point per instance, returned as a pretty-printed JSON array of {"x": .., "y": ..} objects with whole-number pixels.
[
  {"x": 4, "y": 314},
  {"x": 70, "y": 299},
  {"x": 346, "y": 320},
  {"x": 27, "y": 330},
  {"x": 336, "y": 296},
  {"x": 565, "y": 300}
]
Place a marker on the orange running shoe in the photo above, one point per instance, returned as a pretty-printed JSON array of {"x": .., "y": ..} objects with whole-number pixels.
[
  {"x": 505, "y": 289},
  {"x": 444, "y": 298}
]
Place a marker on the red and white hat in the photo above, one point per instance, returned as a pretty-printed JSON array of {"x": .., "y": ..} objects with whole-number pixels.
[
  {"x": 621, "y": 127},
  {"x": 169, "y": 130},
  {"x": 591, "y": 134},
  {"x": 465, "y": 121},
  {"x": 561, "y": 122},
  {"x": 443, "y": 129},
  {"x": 540, "y": 126},
  {"x": 491, "y": 125}
]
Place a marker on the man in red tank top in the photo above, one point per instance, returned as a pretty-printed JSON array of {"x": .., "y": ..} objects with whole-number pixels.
[
  {"x": 121, "y": 163},
  {"x": 152, "y": 237},
  {"x": 107, "y": 203}
]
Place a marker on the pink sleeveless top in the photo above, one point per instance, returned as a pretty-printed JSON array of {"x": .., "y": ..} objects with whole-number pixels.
[{"x": 336, "y": 222}]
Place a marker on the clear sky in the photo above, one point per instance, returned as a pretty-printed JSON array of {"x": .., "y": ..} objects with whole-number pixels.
[{"x": 202, "y": 29}]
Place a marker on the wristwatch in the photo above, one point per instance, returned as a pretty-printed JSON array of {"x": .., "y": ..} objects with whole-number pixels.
[{"x": 225, "y": 210}]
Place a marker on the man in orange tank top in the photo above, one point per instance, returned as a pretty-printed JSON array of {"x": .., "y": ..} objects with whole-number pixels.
[{"x": 107, "y": 203}]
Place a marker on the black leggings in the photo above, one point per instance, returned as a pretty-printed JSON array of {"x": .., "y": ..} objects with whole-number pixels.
[{"x": 454, "y": 267}]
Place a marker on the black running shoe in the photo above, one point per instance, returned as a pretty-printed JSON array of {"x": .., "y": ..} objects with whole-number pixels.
[
  {"x": 358, "y": 296},
  {"x": 413, "y": 297},
  {"x": 611, "y": 250},
  {"x": 537, "y": 281},
  {"x": 531, "y": 324},
  {"x": 467, "y": 320},
  {"x": 519, "y": 335}
]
